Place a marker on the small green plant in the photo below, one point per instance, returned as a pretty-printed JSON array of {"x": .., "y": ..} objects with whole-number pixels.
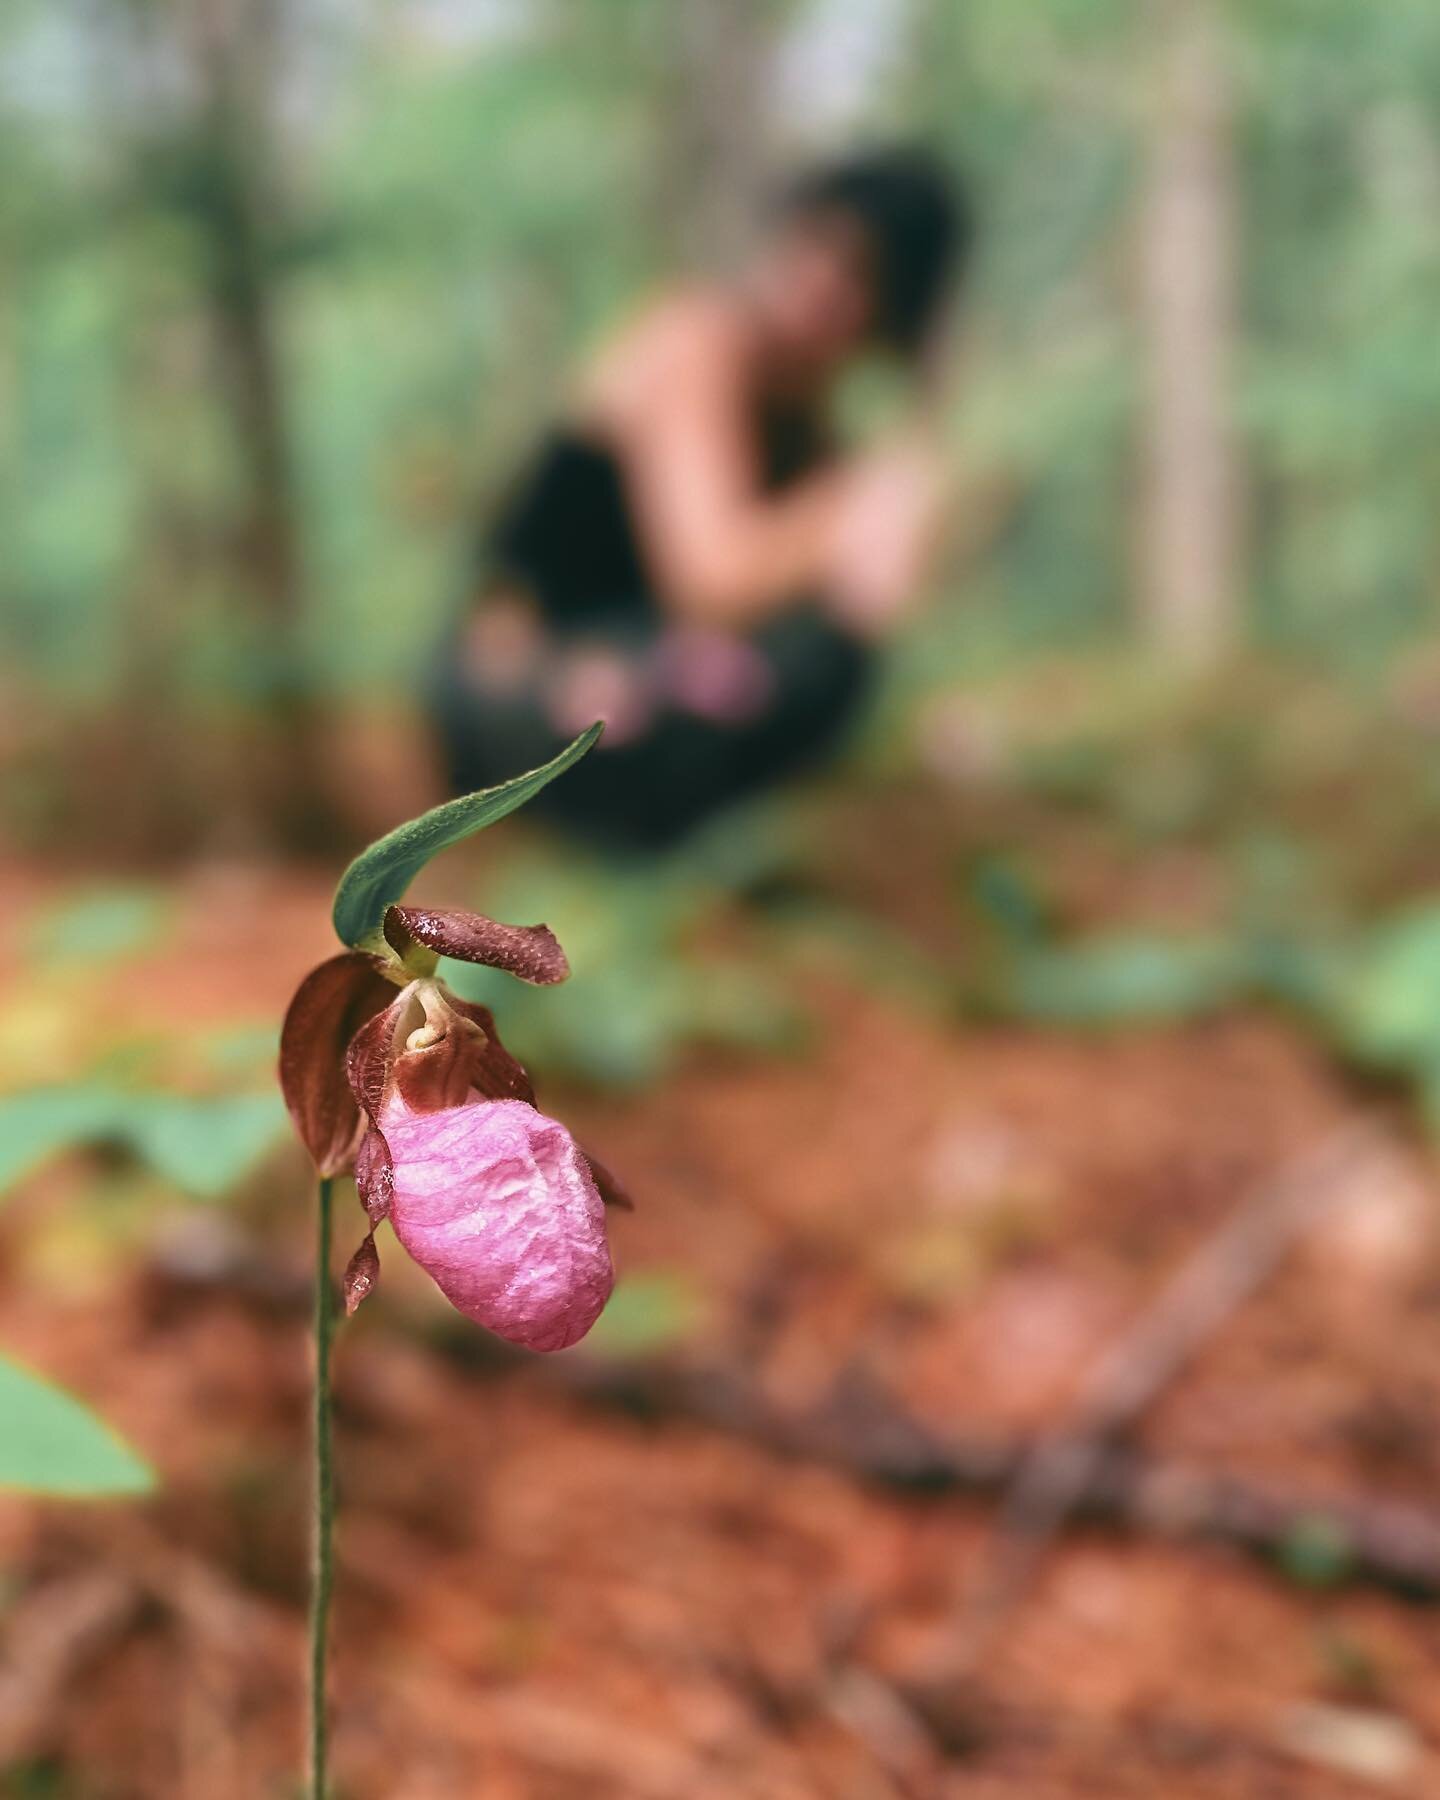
[
  {"x": 52, "y": 1444},
  {"x": 201, "y": 1144},
  {"x": 647, "y": 993},
  {"x": 391, "y": 1076}
]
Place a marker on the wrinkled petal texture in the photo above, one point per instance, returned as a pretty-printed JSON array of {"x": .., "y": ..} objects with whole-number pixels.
[{"x": 498, "y": 1206}]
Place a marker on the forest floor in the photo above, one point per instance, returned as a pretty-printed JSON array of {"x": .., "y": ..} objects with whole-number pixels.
[{"x": 546, "y": 1592}]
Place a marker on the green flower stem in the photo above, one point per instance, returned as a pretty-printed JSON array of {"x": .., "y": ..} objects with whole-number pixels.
[{"x": 324, "y": 1567}]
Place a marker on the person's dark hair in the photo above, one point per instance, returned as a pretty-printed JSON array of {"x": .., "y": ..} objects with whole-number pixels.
[{"x": 918, "y": 220}]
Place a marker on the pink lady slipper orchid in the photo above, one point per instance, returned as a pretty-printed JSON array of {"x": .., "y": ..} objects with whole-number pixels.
[{"x": 416, "y": 1093}]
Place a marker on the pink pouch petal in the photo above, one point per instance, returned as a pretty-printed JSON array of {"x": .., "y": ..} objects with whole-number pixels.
[{"x": 497, "y": 1204}]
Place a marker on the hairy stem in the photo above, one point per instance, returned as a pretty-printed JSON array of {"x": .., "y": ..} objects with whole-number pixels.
[{"x": 324, "y": 1525}]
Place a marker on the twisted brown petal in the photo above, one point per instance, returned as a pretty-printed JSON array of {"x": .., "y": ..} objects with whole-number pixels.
[
  {"x": 368, "y": 1061},
  {"x": 374, "y": 1175},
  {"x": 610, "y": 1190},
  {"x": 361, "y": 1274},
  {"x": 329, "y": 1005},
  {"x": 530, "y": 952}
]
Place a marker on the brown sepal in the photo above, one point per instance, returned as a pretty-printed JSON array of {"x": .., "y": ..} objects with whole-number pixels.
[
  {"x": 531, "y": 952},
  {"x": 361, "y": 1274},
  {"x": 329, "y": 1005}
]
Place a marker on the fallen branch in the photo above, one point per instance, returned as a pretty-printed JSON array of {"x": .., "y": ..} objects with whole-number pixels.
[
  {"x": 863, "y": 1432},
  {"x": 860, "y": 1431},
  {"x": 1225, "y": 1270},
  {"x": 51, "y": 1635}
]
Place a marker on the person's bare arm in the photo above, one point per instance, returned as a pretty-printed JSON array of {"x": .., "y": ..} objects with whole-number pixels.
[
  {"x": 887, "y": 536},
  {"x": 673, "y": 403}
]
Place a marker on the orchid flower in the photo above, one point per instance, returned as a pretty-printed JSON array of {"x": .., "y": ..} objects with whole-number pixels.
[
  {"x": 388, "y": 1074},
  {"x": 414, "y": 1091}
]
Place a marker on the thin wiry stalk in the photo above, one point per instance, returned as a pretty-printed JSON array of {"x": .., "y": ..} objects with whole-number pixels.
[{"x": 324, "y": 1520}]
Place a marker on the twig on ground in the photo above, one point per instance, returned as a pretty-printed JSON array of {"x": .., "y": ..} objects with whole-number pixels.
[
  {"x": 51, "y": 1634},
  {"x": 861, "y": 1432},
  {"x": 1083, "y": 1473},
  {"x": 1207, "y": 1290}
]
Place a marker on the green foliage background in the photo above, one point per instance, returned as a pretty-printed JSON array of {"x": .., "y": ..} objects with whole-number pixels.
[{"x": 449, "y": 215}]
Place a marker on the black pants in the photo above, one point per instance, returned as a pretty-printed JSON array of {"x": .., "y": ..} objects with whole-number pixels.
[{"x": 648, "y": 793}]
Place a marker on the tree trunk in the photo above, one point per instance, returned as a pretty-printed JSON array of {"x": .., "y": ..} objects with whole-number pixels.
[
  {"x": 235, "y": 46},
  {"x": 717, "y": 111},
  {"x": 1189, "y": 520},
  {"x": 232, "y": 49}
]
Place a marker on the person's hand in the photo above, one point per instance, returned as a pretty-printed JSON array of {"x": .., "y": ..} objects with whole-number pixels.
[
  {"x": 887, "y": 518},
  {"x": 593, "y": 681},
  {"x": 714, "y": 675}
]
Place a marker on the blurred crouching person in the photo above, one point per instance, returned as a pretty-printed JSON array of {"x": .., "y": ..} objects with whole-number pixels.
[{"x": 692, "y": 556}]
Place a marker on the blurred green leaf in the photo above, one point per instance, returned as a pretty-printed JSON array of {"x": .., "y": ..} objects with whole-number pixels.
[
  {"x": 1316, "y": 1553},
  {"x": 1388, "y": 1010},
  {"x": 1010, "y": 896},
  {"x": 99, "y": 925},
  {"x": 38, "y": 1125},
  {"x": 1302, "y": 974},
  {"x": 204, "y": 1145},
  {"x": 380, "y": 874},
  {"x": 1126, "y": 977},
  {"x": 44, "y": 1779},
  {"x": 641, "y": 992},
  {"x": 239, "y": 1049},
  {"x": 622, "y": 1025},
  {"x": 648, "y": 1312},
  {"x": 51, "y": 1444}
]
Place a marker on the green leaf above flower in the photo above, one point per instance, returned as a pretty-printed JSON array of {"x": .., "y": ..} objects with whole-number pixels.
[{"x": 380, "y": 874}]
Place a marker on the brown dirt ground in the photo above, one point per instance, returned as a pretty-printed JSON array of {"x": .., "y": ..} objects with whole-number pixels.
[{"x": 543, "y": 1601}]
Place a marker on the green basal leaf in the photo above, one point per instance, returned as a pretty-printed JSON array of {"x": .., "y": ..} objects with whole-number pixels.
[
  {"x": 1388, "y": 1009},
  {"x": 203, "y": 1144},
  {"x": 380, "y": 875},
  {"x": 40, "y": 1124},
  {"x": 51, "y": 1444},
  {"x": 1121, "y": 977},
  {"x": 99, "y": 925}
]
